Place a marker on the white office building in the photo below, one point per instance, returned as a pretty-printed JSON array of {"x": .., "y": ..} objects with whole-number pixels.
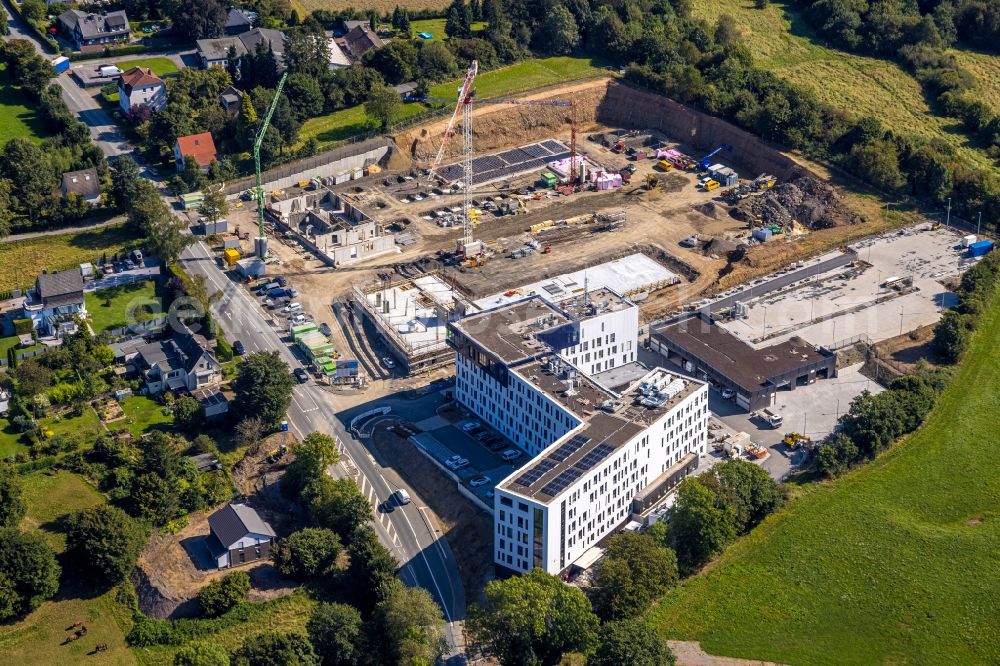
[{"x": 599, "y": 457}]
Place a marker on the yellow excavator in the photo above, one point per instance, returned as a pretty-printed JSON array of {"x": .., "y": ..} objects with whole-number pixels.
[{"x": 794, "y": 440}]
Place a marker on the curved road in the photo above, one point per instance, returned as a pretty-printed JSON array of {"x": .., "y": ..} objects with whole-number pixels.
[{"x": 426, "y": 559}]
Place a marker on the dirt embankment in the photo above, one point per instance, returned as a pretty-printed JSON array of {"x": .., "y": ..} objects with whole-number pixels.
[{"x": 805, "y": 200}]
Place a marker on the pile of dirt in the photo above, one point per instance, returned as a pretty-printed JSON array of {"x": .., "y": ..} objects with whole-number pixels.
[
  {"x": 806, "y": 200},
  {"x": 720, "y": 247},
  {"x": 710, "y": 209}
]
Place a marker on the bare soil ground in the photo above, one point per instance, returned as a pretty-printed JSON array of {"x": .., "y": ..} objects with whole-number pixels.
[
  {"x": 902, "y": 354},
  {"x": 690, "y": 653},
  {"x": 467, "y": 529}
]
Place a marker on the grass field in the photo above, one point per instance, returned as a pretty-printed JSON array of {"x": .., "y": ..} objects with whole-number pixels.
[
  {"x": 22, "y": 261},
  {"x": 10, "y": 440},
  {"x": 286, "y": 615},
  {"x": 38, "y": 638},
  {"x": 160, "y": 66},
  {"x": 782, "y": 42},
  {"x": 85, "y": 428},
  {"x": 117, "y": 307},
  {"x": 527, "y": 75},
  {"x": 894, "y": 563},
  {"x": 142, "y": 415},
  {"x": 381, "y": 6},
  {"x": 18, "y": 117},
  {"x": 986, "y": 68}
]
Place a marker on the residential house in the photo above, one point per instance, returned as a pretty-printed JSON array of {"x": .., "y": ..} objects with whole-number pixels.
[
  {"x": 338, "y": 59},
  {"x": 56, "y": 302},
  {"x": 84, "y": 183},
  {"x": 351, "y": 25},
  {"x": 231, "y": 98},
  {"x": 89, "y": 31},
  {"x": 213, "y": 403},
  {"x": 239, "y": 536},
  {"x": 140, "y": 85},
  {"x": 237, "y": 22},
  {"x": 360, "y": 40},
  {"x": 199, "y": 146},
  {"x": 215, "y": 52},
  {"x": 182, "y": 362}
]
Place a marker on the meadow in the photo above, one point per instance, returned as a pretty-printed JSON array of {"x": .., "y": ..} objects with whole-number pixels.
[
  {"x": 118, "y": 306},
  {"x": 160, "y": 66},
  {"x": 18, "y": 117},
  {"x": 893, "y": 563},
  {"x": 381, "y": 6}
]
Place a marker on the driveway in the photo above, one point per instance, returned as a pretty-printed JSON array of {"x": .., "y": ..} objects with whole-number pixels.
[{"x": 115, "y": 279}]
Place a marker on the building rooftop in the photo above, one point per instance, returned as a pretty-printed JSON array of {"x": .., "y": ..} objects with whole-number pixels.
[
  {"x": 60, "y": 288},
  {"x": 416, "y": 310},
  {"x": 610, "y": 421},
  {"x": 511, "y": 333},
  {"x": 748, "y": 367},
  {"x": 83, "y": 182},
  {"x": 138, "y": 77},
  {"x": 199, "y": 146}
]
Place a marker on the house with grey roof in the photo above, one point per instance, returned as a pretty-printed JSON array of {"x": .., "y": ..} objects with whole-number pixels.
[
  {"x": 83, "y": 183},
  {"x": 88, "y": 30},
  {"x": 182, "y": 362},
  {"x": 56, "y": 302},
  {"x": 215, "y": 52},
  {"x": 231, "y": 98},
  {"x": 239, "y": 536},
  {"x": 237, "y": 22},
  {"x": 360, "y": 40}
]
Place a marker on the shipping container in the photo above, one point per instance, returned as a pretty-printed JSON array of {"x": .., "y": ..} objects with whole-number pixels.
[
  {"x": 60, "y": 64},
  {"x": 968, "y": 240},
  {"x": 763, "y": 235},
  {"x": 231, "y": 256},
  {"x": 980, "y": 248}
]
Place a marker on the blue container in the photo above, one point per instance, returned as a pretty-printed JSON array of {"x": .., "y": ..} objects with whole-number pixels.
[
  {"x": 60, "y": 64},
  {"x": 980, "y": 248}
]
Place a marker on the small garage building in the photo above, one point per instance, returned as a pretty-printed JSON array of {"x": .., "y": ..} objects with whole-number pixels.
[{"x": 239, "y": 536}]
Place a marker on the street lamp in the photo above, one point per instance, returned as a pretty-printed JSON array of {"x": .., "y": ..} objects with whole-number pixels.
[{"x": 947, "y": 220}]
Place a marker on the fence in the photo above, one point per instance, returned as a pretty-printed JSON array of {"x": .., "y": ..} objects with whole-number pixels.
[{"x": 153, "y": 325}]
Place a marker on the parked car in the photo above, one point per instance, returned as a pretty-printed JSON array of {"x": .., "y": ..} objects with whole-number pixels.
[
  {"x": 238, "y": 348},
  {"x": 510, "y": 455},
  {"x": 301, "y": 375},
  {"x": 460, "y": 464},
  {"x": 481, "y": 435},
  {"x": 281, "y": 280},
  {"x": 480, "y": 481},
  {"x": 490, "y": 437},
  {"x": 497, "y": 444},
  {"x": 388, "y": 363},
  {"x": 472, "y": 425},
  {"x": 728, "y": 393},
  {"x": 453, "y": 459},
  {"x": 451, "y": 463},
  {"x": 292, "y": 307}
]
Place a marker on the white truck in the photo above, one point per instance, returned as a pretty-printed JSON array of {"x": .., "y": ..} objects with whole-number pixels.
[{"x": 773, "y": 418}]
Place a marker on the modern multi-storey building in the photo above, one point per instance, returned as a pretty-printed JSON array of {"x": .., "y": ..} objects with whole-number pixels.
[{"x": 598, "y": 456}]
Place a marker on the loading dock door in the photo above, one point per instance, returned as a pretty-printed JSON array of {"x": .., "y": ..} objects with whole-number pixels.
[{"x": 743, "y": 401}]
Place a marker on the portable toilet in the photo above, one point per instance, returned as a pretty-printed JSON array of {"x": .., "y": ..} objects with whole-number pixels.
[{"x": 231, "y": 256}]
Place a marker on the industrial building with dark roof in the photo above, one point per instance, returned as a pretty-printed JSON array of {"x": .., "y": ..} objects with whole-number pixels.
[{"x": 699, "y": 346}]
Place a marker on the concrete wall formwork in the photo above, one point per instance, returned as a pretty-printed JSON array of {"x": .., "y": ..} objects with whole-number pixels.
[{"x": 628, "y": 106}]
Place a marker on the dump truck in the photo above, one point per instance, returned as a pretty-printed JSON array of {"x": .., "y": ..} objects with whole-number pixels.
[{"x": 773, "y": 418}]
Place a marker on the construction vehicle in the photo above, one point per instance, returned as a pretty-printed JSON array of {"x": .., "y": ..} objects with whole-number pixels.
[
  {"x": 664, "y": 165},
  {"x": 711, "y": 185},
  {"x": 794, "y": 440},
  {"x": 772, "y": 418},
  {"x": 706, "y": 161},
  {"x": 276, "y": 454},
  {"x": 618, "y": 147},
  {"x": 764, "y": 181},
  {"x": 652, "y": 182}
]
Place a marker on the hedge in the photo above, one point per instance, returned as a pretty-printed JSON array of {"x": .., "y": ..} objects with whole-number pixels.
[{"x": 109, "y": 52}]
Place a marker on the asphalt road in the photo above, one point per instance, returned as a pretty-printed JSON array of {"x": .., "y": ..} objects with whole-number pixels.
[{"x": 425, "y": 558}]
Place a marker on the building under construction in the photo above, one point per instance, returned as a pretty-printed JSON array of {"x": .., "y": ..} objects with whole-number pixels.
[{"x": 412, "y": 316}]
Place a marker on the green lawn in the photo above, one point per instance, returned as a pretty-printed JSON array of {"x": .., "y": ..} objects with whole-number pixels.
[
  {"x": 38, "y": 638},
  {"x": 10, "y": 440},
  {"x": 783, "y": 43},
  {"x": 160, "y": 66},
  {"x": 18, "y": 116},
  {"x": 22, "y": 261},
  {"x": 436, "y": 28},
  {"x": 119, "y": 306},
  {"x": 142, "y": 414},
  {"x": 343, "y": 124},
  {"x": 894, "y": 563},
  {"x": 85, "y": 428}
]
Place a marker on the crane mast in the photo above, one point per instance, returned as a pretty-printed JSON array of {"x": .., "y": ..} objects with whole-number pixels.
[{"x": 260, "y": 243}]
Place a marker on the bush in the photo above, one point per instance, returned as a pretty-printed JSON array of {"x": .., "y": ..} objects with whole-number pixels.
[
  {"x": 29, "y": 573},
  {"x": 224, "y": 593},
  {"x": 307, "y": 553},
  {"x": 23, "y": 327},
  {"x": 271, "y": 649},
  {"x": 104, "y": 543}
]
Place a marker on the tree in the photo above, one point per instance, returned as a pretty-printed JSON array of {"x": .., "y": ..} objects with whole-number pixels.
[
  {"x": 30, "y": 378},
  {"x": 335, "y": 631},
  {"x": 201, "y": 653},
  {"x": 246, "y": 123},
  {"x": 249, "y": 431},
  {"x": 273, "y": 649},
  {"x": 223, "y": 594},
  {"x": 383, "y": 105},
  {"x": 635, "y": 572},
  {"x": 531, "y": 619},
  {"x": 701, "y": 524},
  {"x": 436, "y": 62},
  {"x": 124, "y": 178},
  {"x": 154, "y": 499},
  {"x": 29, "y": 573},
  {"x": 754, "y": 493},
  {"x": 631, "y": 642},
  {"x": 458, "y": 20},
  {"x": 12, "y": 504},
  {"x": 263, "y": 387},
  {"x": 371, "y": 571},
  {"x": 6, "y": 207},
  {"x": 214, "y": 206},
  {"x": 950, "y": 337},
  {"x": 312, "y": 457},
  {"x": 307, "y": 53},
  {"x": 104, "y": 542},
  {"x": 559, "y": 31},
  {"x": 188, "y": 414},
  {"x": 878, "y": 161},
  {"x": 873, "y": 421},
  {"x": 395, "y": 61},
  {"x": 197, "y": 19},
  {"x": 410, "y": 627},
  {"x": 337, "y": 504},
  {"x": 306, "y": 96},
  {"x": 33, "y": 11},
  {"x": 308, "y": 553},
  {"x": 31, "y": 175}
]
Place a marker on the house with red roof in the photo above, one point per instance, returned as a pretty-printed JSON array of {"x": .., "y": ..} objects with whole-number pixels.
[
  {"x": 199, "y": 146},
  {"x": 140, "y": 85}
]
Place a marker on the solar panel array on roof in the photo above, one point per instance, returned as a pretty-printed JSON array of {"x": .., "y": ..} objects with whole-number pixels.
[
  {"x": 602, "y": 451},
  {"x": 535, "y": 473},
  {"x": 569, "y": 448},
  {"x": 511, "y": 162},
  {"x": 561, "y": 482}
]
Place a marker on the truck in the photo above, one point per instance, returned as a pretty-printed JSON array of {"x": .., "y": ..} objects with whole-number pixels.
[{"x": 773, "y": 418}]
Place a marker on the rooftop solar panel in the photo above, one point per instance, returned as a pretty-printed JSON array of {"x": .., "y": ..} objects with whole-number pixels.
[
  {"x": 553, "y": 146},
  {"x": 532, "y": 475},
  {"x": 561, "y": 482},
  {"x": 569, "y": 448},
  {"x": 601, "y": 452}
]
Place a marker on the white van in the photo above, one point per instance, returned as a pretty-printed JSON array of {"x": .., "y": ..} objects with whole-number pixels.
[
  {"x": 510, "y": 455},
  {"x": 402, "y": 497},
  {"x": 292, "y": 307}
]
